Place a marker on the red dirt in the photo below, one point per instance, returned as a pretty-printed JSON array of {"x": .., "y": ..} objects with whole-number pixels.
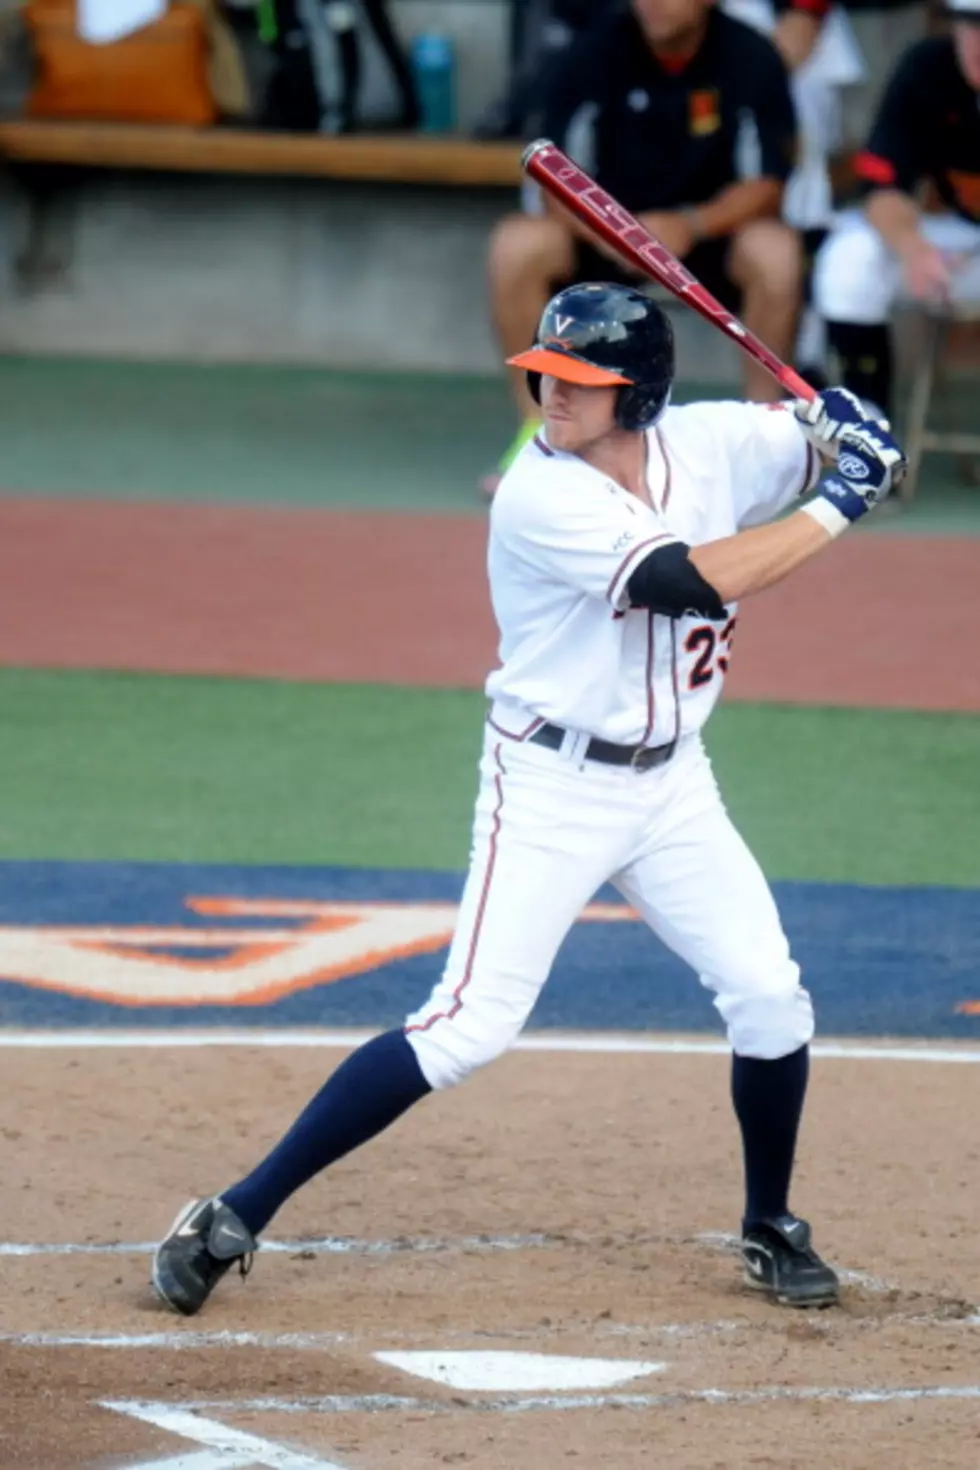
[
  {"x": 308, "y": 594},
  {"x": 621, "y": 1197}
]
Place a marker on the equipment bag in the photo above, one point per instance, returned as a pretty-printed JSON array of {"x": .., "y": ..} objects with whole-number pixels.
[{"x": 331, "y": 59}]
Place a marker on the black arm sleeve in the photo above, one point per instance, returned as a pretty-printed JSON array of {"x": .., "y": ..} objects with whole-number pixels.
[{"x": 668, "y": 582}]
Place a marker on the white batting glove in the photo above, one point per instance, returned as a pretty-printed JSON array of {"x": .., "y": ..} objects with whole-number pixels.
[
  {"x": 824, "y": 418},
  {"x": 869, "y": 464}
]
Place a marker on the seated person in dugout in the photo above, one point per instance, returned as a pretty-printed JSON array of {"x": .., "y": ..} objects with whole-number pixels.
[
  {"x": 685, "y": 115},
  {"x": 927, "y": 131}
]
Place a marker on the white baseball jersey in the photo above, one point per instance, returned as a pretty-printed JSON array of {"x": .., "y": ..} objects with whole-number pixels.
[
  {"x": 564, "y": 541},
  {"x": 551, "y": 826}
]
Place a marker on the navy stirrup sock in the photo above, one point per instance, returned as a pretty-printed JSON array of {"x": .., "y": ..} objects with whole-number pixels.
[
  {"x": 768, "y": 1099},
  {"x": 368, "y": 1091}
]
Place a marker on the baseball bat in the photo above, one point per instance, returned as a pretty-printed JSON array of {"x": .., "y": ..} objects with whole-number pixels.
[{"x": 545, "y": 162}]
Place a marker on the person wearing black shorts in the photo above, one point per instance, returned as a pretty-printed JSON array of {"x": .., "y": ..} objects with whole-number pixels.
[{"x": 685, "y": 116}]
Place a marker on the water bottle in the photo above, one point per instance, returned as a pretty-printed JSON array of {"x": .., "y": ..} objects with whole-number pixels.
[{"x": 434, "y": 68}]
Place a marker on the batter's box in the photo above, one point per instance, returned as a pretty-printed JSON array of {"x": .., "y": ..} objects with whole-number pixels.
[{"x": 609, "y": 1428}]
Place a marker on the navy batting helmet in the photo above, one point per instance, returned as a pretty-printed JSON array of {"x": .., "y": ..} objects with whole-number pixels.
[{"x": 604, "y": 335}]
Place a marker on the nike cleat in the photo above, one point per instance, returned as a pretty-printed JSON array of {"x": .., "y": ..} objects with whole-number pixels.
[
  {"x": 779, "y": 1260},
  {"x": 205, "y": 1240}
]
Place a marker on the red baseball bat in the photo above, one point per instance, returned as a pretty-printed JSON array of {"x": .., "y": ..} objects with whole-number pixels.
[{"x": 572, "y": 187}]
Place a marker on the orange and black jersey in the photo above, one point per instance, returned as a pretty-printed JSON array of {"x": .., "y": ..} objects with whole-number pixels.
[
  {"x": 659, "y": 135},
  {"x": 928, "y": 127}
]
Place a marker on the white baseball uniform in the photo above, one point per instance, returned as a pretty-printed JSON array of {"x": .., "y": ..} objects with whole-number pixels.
[{"x": 553, "y": 825}]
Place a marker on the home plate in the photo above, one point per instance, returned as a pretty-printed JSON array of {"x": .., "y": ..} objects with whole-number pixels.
[{"x": 518, "y": 1372}]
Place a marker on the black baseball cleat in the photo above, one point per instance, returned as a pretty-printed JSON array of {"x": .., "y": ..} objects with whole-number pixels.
[
  {"x": 204, "y": 1242},
  {"x": 779, "y": 1259}
]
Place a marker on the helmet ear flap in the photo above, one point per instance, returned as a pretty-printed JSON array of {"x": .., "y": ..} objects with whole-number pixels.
[
  {"x": 641, "y": 406},
  {"x": 534, "y": 386},
  {"x": 636, "y": 408},
  {"x": 628, "y": 408}
]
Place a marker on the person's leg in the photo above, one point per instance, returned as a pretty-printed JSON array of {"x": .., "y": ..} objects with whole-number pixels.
[
  {"x": 527, "y": 255},
  {"x": 701, "y": 891},
  {"x": 811, "y": 336},
  {"x": 765, "y": 260},
  {"x": 366, "y": 1094},
  {"x": 855, "y": 280},
  {"x": 542, "y": 845}
]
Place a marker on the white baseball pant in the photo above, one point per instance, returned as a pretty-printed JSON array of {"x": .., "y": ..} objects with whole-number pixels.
[
  {"x": 857, "y": 279},
  {"x": 550, "y": 829}
]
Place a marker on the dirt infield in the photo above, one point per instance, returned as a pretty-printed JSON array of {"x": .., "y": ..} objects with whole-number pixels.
[
  {"x": 879, "y": 621},
  {"x": 572, "y": 1205}
]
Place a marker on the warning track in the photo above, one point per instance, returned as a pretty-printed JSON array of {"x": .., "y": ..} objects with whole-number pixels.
[{"x": 326, "y": 595}]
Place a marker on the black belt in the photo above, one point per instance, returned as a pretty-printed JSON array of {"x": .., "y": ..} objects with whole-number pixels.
[{"x": 640, "y": 757}]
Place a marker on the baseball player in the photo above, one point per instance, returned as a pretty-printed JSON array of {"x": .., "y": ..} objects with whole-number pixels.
[{"x": 621, "y": 542}]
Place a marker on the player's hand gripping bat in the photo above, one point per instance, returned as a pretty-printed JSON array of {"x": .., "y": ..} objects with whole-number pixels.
[{"x": 544, "y": 162}]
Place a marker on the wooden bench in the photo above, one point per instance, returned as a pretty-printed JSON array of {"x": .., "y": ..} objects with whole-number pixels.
[
  {"x": 381, "y": 158},
  {"x": 45, "y": 156}
]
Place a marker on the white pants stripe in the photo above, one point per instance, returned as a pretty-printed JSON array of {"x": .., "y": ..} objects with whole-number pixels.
[{"x": 475, "y": 927}]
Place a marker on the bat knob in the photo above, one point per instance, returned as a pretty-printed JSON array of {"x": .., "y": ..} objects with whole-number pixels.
[{"x": 538, "y": 146}]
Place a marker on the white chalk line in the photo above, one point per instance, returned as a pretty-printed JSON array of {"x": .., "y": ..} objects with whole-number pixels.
[
  {"x": 827, "y": 1326},
  {"x": 381, "y": 1403},
  {"x": 712, "y": 1240},
  {"x": 227, "y": 1448},
  {"x": 197, "y": 1340},
  {"x": 325, "y": 1246},
  {"x": 597, "y": 1043},
  {"x": 341, "y": 1245},
  {"x": 175, "y": 1340}
]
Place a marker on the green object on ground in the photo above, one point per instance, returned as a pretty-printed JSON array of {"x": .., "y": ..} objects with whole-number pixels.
[{"x": 142, "y": 767}]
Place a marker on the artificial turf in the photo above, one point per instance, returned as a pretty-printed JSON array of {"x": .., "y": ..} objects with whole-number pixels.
[{"x": 145, "y": 767}]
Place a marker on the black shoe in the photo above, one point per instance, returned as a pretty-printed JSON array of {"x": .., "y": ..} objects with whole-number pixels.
[
  {"x": 780, "y": 1260},
  {"x": 204, "y": 1241}
]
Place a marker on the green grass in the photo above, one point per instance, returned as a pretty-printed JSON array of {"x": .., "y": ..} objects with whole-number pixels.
[
  {"x": 250, "y": 771},
  {"x": 148, "y": 768},
  {"x": 858, "y": 796}
]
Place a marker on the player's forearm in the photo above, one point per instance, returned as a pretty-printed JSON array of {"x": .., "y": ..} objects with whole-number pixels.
[
  {"x": 896, "y": 218},
  {"x": 735, "y": 206},
  {"x": 753, "y": 560}
]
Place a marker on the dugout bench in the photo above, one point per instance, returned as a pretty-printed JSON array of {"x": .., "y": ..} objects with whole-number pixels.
[{"x": 46, "y": 156}]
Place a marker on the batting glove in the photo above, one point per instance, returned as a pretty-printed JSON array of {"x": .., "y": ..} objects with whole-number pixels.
[
  {"x": 869, "y": 465},
  {"x": 824, "y": 418}
]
